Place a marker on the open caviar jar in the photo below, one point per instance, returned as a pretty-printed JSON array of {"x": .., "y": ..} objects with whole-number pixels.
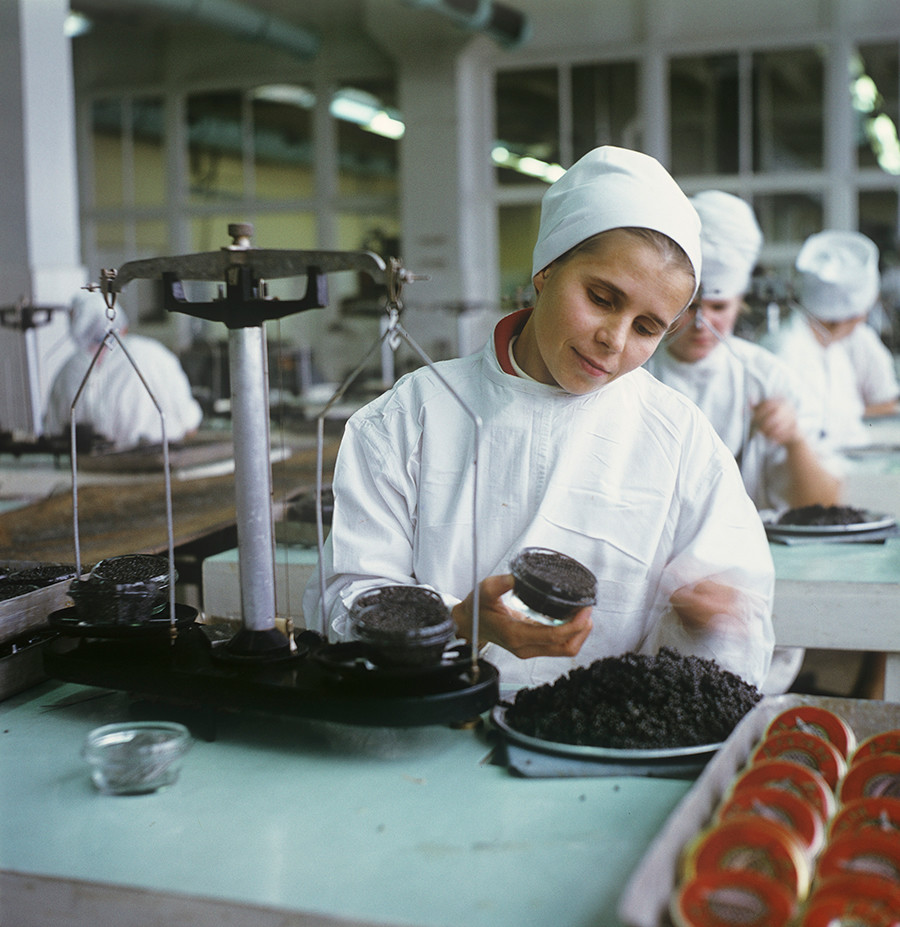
[
  {"x": 129, "y": 589},
  {"x": 403, "y": 625},
  {"x": 552, "y": 586},
  {"x": 137, "y": 757}
]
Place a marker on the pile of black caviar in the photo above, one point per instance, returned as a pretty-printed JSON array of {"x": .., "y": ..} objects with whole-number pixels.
[
  {"x": 820, "y": 515},
  {"x": 636, "y": 701}
]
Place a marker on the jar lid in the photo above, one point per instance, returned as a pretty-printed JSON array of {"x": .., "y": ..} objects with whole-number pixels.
[
  {"x": 882, "y": 742},
  {"x": 781, "y": 806},
  {"x": 814, "y": 719},
  {"x": 870, "y": 853},
  {"x": 805, "y": 749},
  {"x": 750, "y": 843},
  {"x": 728, "y": 897},
  {"x": 806, "y": 782},
  {"x": 873, "y": 776},
  {"x": 877, "y": 812}
]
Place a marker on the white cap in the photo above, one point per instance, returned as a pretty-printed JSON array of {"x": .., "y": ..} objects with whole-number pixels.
[
  {"x": 838, "y": 275},
  {"x": 730, "y": 239},
  {"x": 612, "y": 188},
  {"x": 88, "y": 319}
]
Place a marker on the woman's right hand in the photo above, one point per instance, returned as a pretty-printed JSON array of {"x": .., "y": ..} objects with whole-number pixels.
[{"x": 515, "y": 632}]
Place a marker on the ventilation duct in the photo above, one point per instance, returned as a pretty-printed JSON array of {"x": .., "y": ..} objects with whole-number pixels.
[
  {"x": 500, "y": 22},
  {"x": 240, "y": 21}
]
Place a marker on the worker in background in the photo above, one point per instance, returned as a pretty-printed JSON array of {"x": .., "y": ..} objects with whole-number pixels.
[
  {"x": 755, "y": 401},
  {"x": 114, "y": 401},
  {"x": 838, "y": 283},
  {"x": 582, "y": 451}
]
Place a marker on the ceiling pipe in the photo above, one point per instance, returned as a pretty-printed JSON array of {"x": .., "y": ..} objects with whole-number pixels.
[
  {"x": 505, "y": 25},
  {"x": 241, "y": 21}
]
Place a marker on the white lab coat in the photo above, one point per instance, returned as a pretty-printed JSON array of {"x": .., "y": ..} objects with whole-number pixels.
[
  {"x": 828, "y": 374},
  {"x": 115, "y": 401},
  {"x": 631, "y": 480},
  {"x": 726, "y": 384},
  {"x": 873, "y": 365}
]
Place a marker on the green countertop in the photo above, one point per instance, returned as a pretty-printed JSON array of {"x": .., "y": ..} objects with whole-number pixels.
[
  {"x": 387, "y": 826},
  {"x": 835, "y": 562}
]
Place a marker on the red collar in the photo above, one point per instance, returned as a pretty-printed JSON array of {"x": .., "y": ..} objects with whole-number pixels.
[{"x": 506, "y": 329}]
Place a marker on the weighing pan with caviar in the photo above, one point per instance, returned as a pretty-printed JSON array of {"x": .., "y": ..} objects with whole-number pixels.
[
  {"x": 634, "y": 715},
  {"x": 830, "y": 522}
]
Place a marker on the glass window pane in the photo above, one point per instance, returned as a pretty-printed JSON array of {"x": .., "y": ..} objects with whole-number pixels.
[
  {"x": 788, "y": 110},
  {"x": 527, "y": 104},
  {"x": 878, "y": 218},
  {"x": 282, "y": 146},
  {"x": 107, "y": 128},
  {"x": 518, "y": 229},
  {"x": 604, "y": 107},
  {"x": 874, "y": 88},
  {"x": 789, "y": 218},
  {"x": 147, "y": 123},
  {"x": 703, "y": 111},
  {"x": 369, "y": 128},
  {"x": 215, "y": 146}
]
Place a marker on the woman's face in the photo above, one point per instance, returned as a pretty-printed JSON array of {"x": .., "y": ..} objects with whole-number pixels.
[
  {"x": 690, "y": 341},
  {"x": 601, "y": 312}
]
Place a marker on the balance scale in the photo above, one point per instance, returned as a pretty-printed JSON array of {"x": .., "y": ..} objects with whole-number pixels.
[{"x": 170, "y": 659}]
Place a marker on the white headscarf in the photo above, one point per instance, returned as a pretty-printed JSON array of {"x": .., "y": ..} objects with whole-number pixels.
[
  {"x": 730, "y": 239},
  {"x": 838, "y": 275},
  {"x": 88, "y": 320},
  {"x": 611, "y": 188}
]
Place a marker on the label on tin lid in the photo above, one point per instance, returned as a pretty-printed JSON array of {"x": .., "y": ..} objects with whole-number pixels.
[
  {"x": 846, "y": 912},
  {"x": 873, "y": 777},
  {"x": 869, "y": 853},
  {"x": 754, "y": 844},
  {"x": 805, "y": 749},
  {"x": 877, "y": 812},
  {"x": 858, "y": 885},
  {"x": 728, "y": 898},
  {"x": 813, "y": 719},
  {"x": 784, "y": 774},
  {"x": 883, "y": 742},
  {"x": 781, "y": 806}
]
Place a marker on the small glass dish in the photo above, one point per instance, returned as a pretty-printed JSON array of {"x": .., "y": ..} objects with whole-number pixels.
[
  {"x": 129, "y": 589},
  {"x": 552, "y": 586},
  {"x": 137, "y": 757},
  {"x": 403, "y": 625}
]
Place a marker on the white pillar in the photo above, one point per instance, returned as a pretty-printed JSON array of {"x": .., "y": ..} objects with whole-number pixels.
[{"x": 39, "y": 237}]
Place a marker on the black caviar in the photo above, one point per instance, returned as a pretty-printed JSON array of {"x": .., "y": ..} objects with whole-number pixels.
[
  {"x": 636, "y": 701},
  {"x": 821, "y": 515}
]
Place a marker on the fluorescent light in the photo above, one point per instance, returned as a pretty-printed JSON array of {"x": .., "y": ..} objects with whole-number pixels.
[
  {"x": 533, "y": 167},
  {"x": 291, "y": 94},
  {"x": 76, "y": 24},
  {"x": 382, "y": 123}
]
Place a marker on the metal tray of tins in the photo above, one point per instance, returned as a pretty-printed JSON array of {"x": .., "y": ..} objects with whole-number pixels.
[
  {"x": 645, "y": 900},
  {"x": 535, "y": 758},
  {"x": 874, "y": 522}
]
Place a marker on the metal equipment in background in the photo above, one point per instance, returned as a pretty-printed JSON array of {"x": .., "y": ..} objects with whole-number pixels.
[
  {"x": 31, "y": 341},
  {"x": 260, "y": 667}
]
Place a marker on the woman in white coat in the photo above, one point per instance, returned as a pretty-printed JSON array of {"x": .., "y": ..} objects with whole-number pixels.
[
  {"x": 114, "y": 402},
  {"x": 582, "y": 451},
  {"x": 755, "y": 401},
  {"x": 838, "y": 284}
]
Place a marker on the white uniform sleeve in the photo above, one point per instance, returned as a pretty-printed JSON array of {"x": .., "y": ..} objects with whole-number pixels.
[
  {"x": 720, "y": 538},
  {"x": 874, "y": 366}
]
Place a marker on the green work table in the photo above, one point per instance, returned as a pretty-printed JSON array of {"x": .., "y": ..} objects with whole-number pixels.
[
  {"x": 841, "y": 596},
  {"x": 283, "y": 821}
]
